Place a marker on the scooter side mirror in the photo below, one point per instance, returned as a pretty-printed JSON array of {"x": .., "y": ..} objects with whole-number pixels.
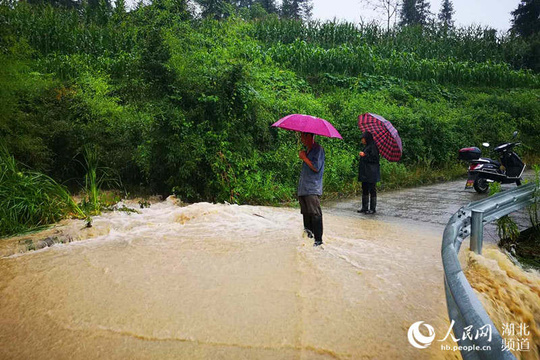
[
  {"x": 485, "y": 144},
  {"x": 515, "y": 133}
]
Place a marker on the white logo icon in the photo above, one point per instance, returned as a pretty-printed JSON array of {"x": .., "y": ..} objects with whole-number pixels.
[{"x": 416, "y": 338}]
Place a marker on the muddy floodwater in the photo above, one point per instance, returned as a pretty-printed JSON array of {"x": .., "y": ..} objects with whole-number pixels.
[
  {"x": 510, "y": 296},
  {"x": 214, "y": 281}
]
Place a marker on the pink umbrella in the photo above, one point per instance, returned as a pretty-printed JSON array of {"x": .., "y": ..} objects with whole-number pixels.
[{"x": 308, "y": 124}]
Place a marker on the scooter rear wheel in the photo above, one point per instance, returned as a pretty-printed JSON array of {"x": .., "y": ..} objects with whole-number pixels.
[{"x": 481, "y": 185}]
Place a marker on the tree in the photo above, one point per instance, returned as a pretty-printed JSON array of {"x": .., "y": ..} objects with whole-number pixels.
[
  {"x": 96, "y": 4},
  {"x": 98, "y": 11},
  {"x": 387, "y": 7},
  {"x": 269, "y": 5},
  {"x": 174, "y": 7},
  {"x": 179, "y": 7},
  {"x": 526, "y": 24},
  {"x": 446, "y": 14},
  {"x": 414, "y": 12},
  {"x": 65, "y": 3},
  {"x": 297, "y": 9},
  {"x": 424, "y": 14},
  {"x": 307, "y": 9},
  {"x": 290, "y": 9},
  {"x": 243, "y": 3},
  {"x": 526, "y": 21},
  {"x": 408, "y": 15},
  {"x": 257, "y": 8},
  {"x": 119, "y": 11},
  {"x": 216, "y": 9}
]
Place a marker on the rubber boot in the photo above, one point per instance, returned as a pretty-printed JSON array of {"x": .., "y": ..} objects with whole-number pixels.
[
  {"x": 317, "y": 224},
  {"x": 365, "y": 203},
  {"x": 308, "y": 225},
  {"x": 372, "y": 205}
]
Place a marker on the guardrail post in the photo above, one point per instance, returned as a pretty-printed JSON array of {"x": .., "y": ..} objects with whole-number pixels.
[{"x": 477, "y": 230}]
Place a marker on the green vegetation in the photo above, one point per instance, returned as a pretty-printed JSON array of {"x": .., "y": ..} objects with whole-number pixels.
[
  {"x": 29, "y": 199},
  {"x": 177, "y": 104},
  {"x": 95, "y": 200},
  {"x": 534, "y": 209},
  {"x": 525, "y": 245},
  {"x": 528, "y": 244}
]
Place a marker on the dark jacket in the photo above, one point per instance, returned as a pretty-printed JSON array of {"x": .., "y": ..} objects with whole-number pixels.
[{"x": 369, "y": 169}]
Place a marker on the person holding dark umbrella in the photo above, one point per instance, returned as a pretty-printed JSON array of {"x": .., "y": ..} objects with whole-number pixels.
[
  {"x": 379, "y": 137},
  {"x": 369, "y": 173}
]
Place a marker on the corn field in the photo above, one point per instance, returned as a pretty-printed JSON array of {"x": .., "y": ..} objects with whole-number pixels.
[
  {"x": 307, "y": 58},
  {"x": 473, "y": 43}
]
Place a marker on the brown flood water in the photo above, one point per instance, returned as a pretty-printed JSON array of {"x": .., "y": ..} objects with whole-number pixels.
[
  {"x": 510, "y": 295},
  {"x": 213, "y": 281}
]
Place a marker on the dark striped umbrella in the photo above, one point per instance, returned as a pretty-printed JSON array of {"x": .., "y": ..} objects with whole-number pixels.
[{"x": 385, "y": 135}]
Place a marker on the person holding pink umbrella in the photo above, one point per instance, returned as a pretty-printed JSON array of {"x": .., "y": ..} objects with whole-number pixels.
[{"x": 310, "y": 185}]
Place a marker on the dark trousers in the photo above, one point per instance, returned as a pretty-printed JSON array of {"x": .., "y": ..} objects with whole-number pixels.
[
  {"x": 369, "y": 197},
  {"x": 310, "y": 208},
  {"x": 369, "y": 189}
]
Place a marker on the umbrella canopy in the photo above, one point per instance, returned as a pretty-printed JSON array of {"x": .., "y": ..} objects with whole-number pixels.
[
  {"x": 385, "y": 135},
  {"x": 308, "y": 124}
]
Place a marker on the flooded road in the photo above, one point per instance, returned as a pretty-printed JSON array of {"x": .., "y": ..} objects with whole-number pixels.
[
  {"x": 220, "y": 281},
  {"x": 214, "y": 281}
]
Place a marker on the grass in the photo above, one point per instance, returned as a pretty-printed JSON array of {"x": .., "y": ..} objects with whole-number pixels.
[
  {"x": 30, "y": 200},
  {"x": 396, "y": 176},
  {"x": 95, "y": 200}
]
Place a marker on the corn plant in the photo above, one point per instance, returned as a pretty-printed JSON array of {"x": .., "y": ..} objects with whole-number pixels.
[
  {"x": 308, "y": 58},
  {"x": 473, "y": 43}
]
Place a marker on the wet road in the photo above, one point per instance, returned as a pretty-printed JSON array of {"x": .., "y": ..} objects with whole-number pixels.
[
  {"x": 431, "y": 205},
  {"x": 217, "y": 281}
]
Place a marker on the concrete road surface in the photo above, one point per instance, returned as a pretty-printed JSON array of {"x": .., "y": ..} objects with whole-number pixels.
[{"x": 431, "y": 205}]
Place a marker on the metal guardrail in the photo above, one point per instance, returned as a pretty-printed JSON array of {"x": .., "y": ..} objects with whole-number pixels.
[{"x": 463, "y": 305}]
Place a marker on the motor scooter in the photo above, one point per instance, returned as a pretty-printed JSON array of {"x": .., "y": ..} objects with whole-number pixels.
[{"x": 483, "y": 171}]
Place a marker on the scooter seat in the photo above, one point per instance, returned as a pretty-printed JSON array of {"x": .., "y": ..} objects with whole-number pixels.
[{"x": 489, "y": 161}]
